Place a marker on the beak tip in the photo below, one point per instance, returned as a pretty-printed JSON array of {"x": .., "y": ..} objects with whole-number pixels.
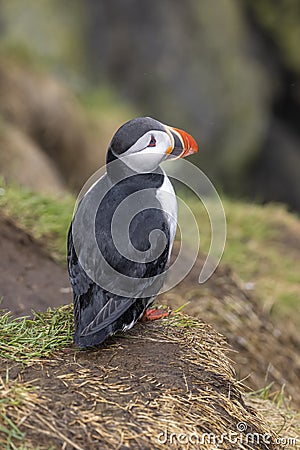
[
  {"x": 190, "y": 145},
  {"x": 187, "y": 142}
]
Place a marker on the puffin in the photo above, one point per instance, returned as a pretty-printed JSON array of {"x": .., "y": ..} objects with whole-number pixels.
[{"x": 122, "y": 232}]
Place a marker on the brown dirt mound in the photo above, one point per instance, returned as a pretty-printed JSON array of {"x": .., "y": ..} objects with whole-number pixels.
[
  {"x": 29, "y": 278},
  {"x": 161, "y": 385}
]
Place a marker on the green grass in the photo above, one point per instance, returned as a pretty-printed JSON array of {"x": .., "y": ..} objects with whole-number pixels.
[
  {"x": 45, "y": 217},
  {"x": 27, "y": 340},
  {"x": 279, "y": 398}
]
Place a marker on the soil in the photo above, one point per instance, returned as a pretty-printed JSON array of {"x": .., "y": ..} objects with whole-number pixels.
[{"x": 29, "y": 277}]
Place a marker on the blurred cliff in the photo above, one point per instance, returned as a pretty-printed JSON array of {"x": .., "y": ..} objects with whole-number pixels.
[{"x": 72, "y": 72}]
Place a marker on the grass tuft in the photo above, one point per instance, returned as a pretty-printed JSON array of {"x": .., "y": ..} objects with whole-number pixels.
[{"x": 27, "y": 340}]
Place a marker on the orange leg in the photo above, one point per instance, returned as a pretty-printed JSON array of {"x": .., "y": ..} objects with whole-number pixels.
[{"x": 155, "y": 314}]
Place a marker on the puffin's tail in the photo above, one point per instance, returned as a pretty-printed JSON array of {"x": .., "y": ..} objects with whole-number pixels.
[
  {"x": 92, "y": 339},
  {"x": 117, "y": 314}
]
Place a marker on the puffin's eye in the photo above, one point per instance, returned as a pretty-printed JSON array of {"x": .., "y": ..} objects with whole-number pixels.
[{"x": 152, "y": 142}]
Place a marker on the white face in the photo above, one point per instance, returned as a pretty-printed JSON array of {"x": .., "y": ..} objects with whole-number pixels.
[{"x": 148, "y": 151}]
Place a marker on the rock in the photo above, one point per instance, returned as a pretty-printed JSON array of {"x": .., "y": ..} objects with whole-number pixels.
[{"x": 22, "y": 161}]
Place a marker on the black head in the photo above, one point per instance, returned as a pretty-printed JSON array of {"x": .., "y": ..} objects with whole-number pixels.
[
  {"x": 143, "y": 143},
  {"x": 130, "y": 132}
]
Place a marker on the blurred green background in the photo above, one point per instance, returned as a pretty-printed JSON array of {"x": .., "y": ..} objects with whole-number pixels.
[{"x": 228, "y": 71}]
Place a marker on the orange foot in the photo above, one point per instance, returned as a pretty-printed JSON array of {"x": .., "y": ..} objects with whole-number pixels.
[{"x": 155, "y": 314}]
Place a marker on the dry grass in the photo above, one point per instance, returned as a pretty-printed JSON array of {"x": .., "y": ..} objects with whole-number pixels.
[
  {"x": 283, "y": 420},
  {"x": 17, "y": 401}
]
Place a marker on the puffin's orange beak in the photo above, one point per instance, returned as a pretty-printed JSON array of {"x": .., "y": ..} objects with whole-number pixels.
[
  {"x": 184, "y": 143},
  {"x": 190, "y": 146}
]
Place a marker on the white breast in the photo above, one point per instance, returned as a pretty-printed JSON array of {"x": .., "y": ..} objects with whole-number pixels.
[{"x": 167, "y": 198}]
